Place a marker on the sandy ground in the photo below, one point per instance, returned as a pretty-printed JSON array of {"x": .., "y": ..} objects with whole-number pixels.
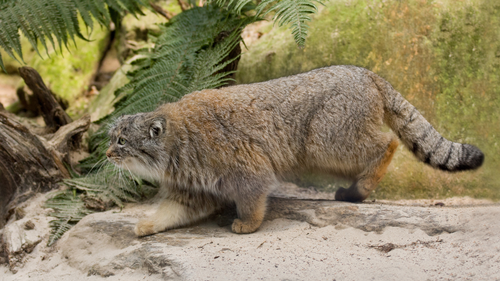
[{"x": 300, "y": 240}]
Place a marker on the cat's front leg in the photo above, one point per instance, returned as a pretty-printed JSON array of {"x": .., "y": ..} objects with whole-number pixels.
[{"x": 171, "y": 214}]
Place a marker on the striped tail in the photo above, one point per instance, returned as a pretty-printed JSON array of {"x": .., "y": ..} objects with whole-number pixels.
[{"x": 421, "y": 138}]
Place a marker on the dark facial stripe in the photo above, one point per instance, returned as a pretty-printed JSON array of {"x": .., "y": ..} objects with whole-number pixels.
[
  {"x": 147, "y": 153},
  {"x": 175, "y": 159}
]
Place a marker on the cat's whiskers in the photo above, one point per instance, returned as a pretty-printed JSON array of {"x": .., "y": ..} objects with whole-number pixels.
[
  {"x": 96, "y": 164},
  {"x": 100, "y": 164},
  {"x": 121, "y": 176}
]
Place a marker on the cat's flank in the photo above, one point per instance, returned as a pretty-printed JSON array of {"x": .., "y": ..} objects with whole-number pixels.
[{"x": 231, "y": 145}]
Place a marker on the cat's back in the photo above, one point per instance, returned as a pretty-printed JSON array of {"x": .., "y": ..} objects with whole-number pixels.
[
  {"x": 277, "y": 123},
  {"x": 330, "y": 100},
  {"x": 294, "y": 94}
]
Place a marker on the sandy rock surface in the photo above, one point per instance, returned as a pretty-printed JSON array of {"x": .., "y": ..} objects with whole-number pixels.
[{"x": 300, "y": 240}]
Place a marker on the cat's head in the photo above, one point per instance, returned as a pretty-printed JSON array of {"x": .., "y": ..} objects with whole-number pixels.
[{"x": 137, "y": 144}]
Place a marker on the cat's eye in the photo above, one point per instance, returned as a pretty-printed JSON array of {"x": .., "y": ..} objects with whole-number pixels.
[{"x": 122, "y": 141}]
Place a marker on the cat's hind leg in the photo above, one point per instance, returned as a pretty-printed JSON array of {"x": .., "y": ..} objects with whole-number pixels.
[
  {"x": 250, "y": 202},
  {"x": 368, "y": 180},
  {"x": 250, "y": 214}
]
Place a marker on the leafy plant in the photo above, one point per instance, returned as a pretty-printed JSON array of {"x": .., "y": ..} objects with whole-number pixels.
[
  {"x": 286, "y": 12},
  {"x": 55, "y": 23},
  {"x": 294, "y": 12},
  {"x": 68, "y": 210},
  {"x": 94, "y": 192}
]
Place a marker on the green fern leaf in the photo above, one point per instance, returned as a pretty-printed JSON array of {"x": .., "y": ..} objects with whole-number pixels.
[
  {"x": 202, "y": 76},
  {"x": 68, "y": 210},
  {"x": 59, "y": 228},
  {"x": 86, "y": 12},
  {"x": 19, "y": 14},
  {"x": 55, "y": 21},
  {"x": 39, "y": 21},
  {"x": 294, "y": 12},
  {"x": 9, "y": 37},
  {"x": 108, "y": 186},
  {"x": 97, "y": 9},
  {"x": 237, "y": 6}
]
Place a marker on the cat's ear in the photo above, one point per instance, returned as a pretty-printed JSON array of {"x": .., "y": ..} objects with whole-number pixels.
[{"x": 157, "y": 127}]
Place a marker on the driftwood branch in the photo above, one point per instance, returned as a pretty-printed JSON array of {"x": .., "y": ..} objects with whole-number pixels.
[
  {"x": 53, "y": 114},
  {"x": 62, "y": 142},
  {"x": 32, "y": 159},
  {"x": 26, "y": 166},
  {"x": 184, "y": 6},
  {"x": 31, "y": 163}
]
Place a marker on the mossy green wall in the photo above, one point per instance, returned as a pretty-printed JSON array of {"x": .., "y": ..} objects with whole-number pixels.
[{"x": 443, "y": 56}]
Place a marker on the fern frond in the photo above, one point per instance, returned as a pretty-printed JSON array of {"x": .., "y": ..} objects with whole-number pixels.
[
  {"x": 109, "y": 184},
  {"x": 55, "y": 21},
  {"x": 294, "y": 12},
  {"x": 17, "y": 12},
  {"x": 107, "y": 187},
  {"x": 9, "y": 40},
  {"x": 237, "y": 6},
  {"x": 97, "y": 10},
  {"x": 59, "y": 228},
  {"x": 206, "y": 66},
  {"x": 68, "y": 210}
]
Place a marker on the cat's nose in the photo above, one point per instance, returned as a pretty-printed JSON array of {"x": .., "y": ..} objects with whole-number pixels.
[{"x": 109, "y": 153}]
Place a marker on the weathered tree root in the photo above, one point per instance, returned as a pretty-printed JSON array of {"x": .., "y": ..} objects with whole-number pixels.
[{"x": 32, "y": 160}]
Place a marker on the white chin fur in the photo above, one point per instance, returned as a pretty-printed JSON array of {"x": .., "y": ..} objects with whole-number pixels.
[{"x": 139, "y": 169}]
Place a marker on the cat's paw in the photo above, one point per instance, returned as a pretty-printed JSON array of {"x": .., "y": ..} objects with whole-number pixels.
[
  {"x": 240, "y": 227},
  {"x": 144, "y": 227},
  {"x": 351, "y": 194}
]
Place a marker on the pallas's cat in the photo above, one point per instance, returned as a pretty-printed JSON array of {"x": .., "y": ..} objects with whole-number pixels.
[{"x": 234, "y": 144}]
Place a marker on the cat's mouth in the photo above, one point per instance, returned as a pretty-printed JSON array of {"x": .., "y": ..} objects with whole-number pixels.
[
  {"x": 117, "y": 161},
  {"x": 125, "y": 164},
  {"x": 135, "y": 166}
]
